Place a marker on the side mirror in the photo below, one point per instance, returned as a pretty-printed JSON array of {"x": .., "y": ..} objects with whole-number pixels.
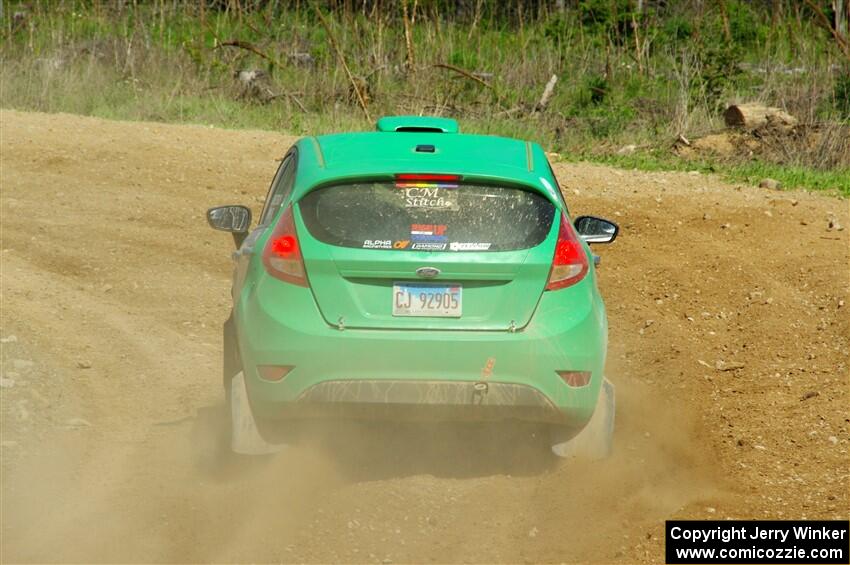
[
  {"x": 596, "y": 230},
  {"x": 233, "y": 219}
]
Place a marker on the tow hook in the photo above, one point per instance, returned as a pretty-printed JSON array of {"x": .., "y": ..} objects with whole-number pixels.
[{"x": 479, "y": 390}]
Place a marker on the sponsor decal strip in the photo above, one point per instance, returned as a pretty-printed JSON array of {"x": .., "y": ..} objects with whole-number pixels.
[
  {"x": 464, "y": 246},
  {"x": 428, "y": 233},
  {"x": 428, "y": 246},
  {"x": 378, "y": 244}
]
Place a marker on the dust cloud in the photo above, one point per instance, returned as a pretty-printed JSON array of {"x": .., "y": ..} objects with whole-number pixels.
[{"x": 352, "y": 492}]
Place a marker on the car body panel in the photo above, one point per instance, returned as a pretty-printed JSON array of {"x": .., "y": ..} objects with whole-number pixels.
[
  {"x": 517, "y": 350},
  {"x": 563, "y": 335},
  {"x": 340, "y": 157}
]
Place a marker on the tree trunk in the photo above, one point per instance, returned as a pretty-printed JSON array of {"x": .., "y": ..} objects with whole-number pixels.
[
  {"x": 753, "y": 116},
  {"x": 725, "y": 18},
  {"x": 548, "y": 91},
  {"x": 841, "y": 9}
]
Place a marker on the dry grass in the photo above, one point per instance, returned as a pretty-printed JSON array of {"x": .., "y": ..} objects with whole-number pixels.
[{"x": 170, "y": 62}]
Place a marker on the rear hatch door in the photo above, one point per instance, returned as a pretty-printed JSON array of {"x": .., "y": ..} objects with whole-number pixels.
[{"x": 426, "y": 253}]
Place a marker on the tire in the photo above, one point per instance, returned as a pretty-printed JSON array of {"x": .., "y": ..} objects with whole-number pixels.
[
  {"x": 245, "y": 438},
  {"x": 231, "y": 364},
  {"x": 595, "y": 441}
]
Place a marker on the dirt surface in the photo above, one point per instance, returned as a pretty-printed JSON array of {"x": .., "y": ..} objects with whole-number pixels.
[{"x": 728, "y": 309}]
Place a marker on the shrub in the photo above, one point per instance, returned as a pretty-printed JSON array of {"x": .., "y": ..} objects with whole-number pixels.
[
  {"x": 841, "y": 94},
  {"x": 676, "y": 29},
  {"x": 745, "y": 26}
]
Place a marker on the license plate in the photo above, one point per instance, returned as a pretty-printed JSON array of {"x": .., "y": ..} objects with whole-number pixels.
[{"x": 427, "y": 300}]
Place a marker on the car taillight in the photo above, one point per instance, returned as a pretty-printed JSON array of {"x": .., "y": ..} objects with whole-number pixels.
[
  {"x": 282, "y": 254},
  {"x": 425, "y": 177},
  {"x": 569, "y": 265}
]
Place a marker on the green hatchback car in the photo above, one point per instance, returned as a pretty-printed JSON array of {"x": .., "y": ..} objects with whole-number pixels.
[{"x": 416, "y": 273}]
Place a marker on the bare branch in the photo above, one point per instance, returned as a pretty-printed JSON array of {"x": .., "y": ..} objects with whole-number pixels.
[
  {"x": 464, "y": 73},
  {"x": 248, "y": 47},
  {"x": 825, "y": 23},
  {"x": 341, "y": 57},
  {"x": 547, "y": 94},
  {"x": 408, "y": 37}
]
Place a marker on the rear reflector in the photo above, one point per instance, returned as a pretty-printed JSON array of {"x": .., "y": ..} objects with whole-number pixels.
[
  {"x": 575, "y": 378},
  {"x": 569, "y": 264},
  {"x": 273, "y": 372},
  {"x": 282, "y": 254},
  {"x": 426, "y": 177}
]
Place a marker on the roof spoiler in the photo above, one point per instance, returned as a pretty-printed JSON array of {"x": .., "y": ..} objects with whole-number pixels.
[{"x": 420, "y": 124}]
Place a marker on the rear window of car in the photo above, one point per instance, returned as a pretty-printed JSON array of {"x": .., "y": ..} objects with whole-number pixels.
[{"x": 427, "y": 216}]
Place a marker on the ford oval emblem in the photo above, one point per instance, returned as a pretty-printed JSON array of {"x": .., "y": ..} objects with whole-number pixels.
[{"x": 427, "y": 272}]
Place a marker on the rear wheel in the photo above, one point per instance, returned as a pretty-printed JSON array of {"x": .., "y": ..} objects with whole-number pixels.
[
  {"x": 245, "y": 438},
  {"x": 595, "y": 441}
]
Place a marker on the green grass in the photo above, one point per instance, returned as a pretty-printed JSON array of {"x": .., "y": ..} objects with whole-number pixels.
[
  {"x": 751, "y": 172},
  {"x": 164, "y": 62}
]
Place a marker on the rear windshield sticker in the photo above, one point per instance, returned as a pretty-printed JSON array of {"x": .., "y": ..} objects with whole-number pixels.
[
  {"x": 428, "y": 246},
  {"x": 458, "y": 246},
  {"x": 430, "y": 196},
  {"x": 378, "y": 244},
  {"x": 401, "y": 244},
  {"x": 428, "y": 233}
]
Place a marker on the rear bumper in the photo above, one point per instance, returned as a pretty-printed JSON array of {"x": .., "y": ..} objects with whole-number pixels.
[
  {"x": 414, "y": 374},
  {"x": 425, "y": 400}
]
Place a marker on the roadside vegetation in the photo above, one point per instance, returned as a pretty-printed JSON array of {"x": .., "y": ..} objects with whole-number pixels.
[{"x": 638, "y": 82}]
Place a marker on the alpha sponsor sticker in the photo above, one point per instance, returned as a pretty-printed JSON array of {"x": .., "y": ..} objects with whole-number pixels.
[
  {"x": 428, "y": 233},
  {"x": 378, "y": 244},
  {"x": 464, "y": 246},
  {"x": 429, "y": 196}
]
